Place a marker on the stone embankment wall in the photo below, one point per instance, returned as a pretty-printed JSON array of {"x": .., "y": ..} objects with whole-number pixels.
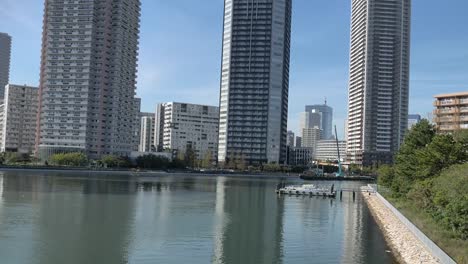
[{"x": 405, "y": 245}]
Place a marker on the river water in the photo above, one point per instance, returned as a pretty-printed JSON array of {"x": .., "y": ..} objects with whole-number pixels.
[{"x": 71, "y": 217}]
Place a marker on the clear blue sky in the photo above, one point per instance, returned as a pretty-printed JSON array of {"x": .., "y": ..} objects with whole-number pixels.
[{"x": 180, "y": 51}]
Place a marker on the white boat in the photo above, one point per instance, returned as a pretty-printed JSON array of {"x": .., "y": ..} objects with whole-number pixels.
[{"x": 307, "y": 189}]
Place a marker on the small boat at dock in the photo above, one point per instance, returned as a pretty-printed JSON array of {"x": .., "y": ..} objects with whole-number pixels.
[{"x": 307, "y": 189}]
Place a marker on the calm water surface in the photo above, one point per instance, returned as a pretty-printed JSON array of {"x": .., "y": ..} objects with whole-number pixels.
[{"x": 69, "y": 217}]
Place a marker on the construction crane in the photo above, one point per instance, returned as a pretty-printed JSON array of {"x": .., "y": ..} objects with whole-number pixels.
[{"x": 340, "y": 172}]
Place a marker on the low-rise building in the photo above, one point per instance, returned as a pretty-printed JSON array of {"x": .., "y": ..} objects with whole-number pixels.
[
  {"x": 180, "y": 126},
  {"x": 18, "y": 119},
  {"x": 451, "y": 112},
  {"x": 300, "y": 156},
  {"x": 326, "y": 150}
]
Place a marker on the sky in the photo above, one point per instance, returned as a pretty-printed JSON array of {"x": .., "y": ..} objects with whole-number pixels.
[{"x": 180, "y": 51}]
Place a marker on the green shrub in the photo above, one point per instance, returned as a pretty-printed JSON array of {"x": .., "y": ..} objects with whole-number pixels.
[{"x": 69, "y": 159}]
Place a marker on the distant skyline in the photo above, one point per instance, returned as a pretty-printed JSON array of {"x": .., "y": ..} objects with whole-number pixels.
[{"x": 180, "y": 52}]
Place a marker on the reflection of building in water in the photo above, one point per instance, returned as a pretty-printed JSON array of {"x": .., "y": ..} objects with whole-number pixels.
[
  {"x": 90, "y": 229},
  {"x": 353, "y": 229},
  {"x": 260, "y": 240}
]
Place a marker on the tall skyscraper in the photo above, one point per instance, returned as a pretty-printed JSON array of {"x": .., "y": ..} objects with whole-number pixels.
[
  {"x": 322, "y": 116},
  {"x": 5, "y": 51},
  {"x": 87, "y": 80},
  {"x": 309, "y": 120},
  {"x": 379, "y": 76},
  {"x": 255, "y": 80}
]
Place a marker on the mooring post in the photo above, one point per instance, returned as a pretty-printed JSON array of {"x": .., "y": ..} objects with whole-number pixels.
[
  {"x": 354, "y": 195},
  {"x": 341, "y": 194}
]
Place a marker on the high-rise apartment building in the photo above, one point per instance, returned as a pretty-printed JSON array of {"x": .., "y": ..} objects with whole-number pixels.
[
  {"x": 180, "y": 126},
  {"x": 322, "y": 117},
  {"x": 147, "y": 126},
  {"x": 379, "y": 77},
  {"x": 88, "y": 75},
  {"x": 5, "y": 53},
  {"x": 18, "y": 119},
  {"x": 451, "y": 112},
  {"x": 255, "y": 80},
  {"x": 290, "y": 139}
]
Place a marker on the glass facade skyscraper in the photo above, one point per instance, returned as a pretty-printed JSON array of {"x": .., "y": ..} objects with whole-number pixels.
[
  {"x": 379, "y": 79},
  {"x": 325, "y": 121},
  {"x": 255, "y": 80}
]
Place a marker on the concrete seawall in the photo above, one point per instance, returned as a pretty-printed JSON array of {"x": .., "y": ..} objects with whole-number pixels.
[{"x": 405, "y": 245}]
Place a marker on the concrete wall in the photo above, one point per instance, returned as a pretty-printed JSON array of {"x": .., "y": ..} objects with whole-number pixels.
[{"x": 430, "y": 245}]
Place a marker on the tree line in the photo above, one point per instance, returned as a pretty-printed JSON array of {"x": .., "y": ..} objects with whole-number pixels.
[{"x": 431, "y": 171}]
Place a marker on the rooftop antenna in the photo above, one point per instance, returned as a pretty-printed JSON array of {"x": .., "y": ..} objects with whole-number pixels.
[{"x": 325, "y": 100}]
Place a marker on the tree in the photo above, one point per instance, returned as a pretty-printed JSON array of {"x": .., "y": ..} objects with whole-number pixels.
[
  {"x": 190, "y": 156},
  {"x": 69, "y": 159},
  {"x": 406, "y": 161},
  {"x": 152, "y": 161},
  {"x": 241, "y": 162},
  {"x": 450, "y": 202},
  {"x": 112, "y": 161},
  {"x": 441, "y": 153},
  {"x": 385, "y": 175},
  {"x": 206, "y": 162}
]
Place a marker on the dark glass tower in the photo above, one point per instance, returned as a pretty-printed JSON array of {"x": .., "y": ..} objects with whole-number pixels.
[{"x": 255, "y": 80}]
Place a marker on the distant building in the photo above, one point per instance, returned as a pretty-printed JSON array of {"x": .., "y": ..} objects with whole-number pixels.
[
  {"x": 5, "y": 51},
  {"x": 309, "y": 120},
  {"x": 18, "y": 119},
  {"x": 298, "y": 142},
  {"x": 136, "y": 124},
  {"x": 299, "y": 156},
  {"x": 451, "y": 112},
  {"x": 413, "y": 120},
  {"x": 290, "y": 139},
  {"x": 255, "y": 80},
  {"x": 310, "y": 137},
  {"x": 322, "y": 117},
  {"x": 327, "y": 150},
  {"x": 180, "y": 126},
  {"x": 378, "y": 80},
  {"x": 147, "y": 125}
]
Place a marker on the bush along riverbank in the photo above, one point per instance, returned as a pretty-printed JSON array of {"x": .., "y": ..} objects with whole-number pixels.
[{"x": 429, "y": 184}]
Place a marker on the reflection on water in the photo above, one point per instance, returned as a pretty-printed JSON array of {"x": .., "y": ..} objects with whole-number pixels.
[{"x": 74, "y": 217}]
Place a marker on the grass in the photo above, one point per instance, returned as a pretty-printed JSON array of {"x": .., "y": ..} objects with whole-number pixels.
[{"x": 454, "y": 247}]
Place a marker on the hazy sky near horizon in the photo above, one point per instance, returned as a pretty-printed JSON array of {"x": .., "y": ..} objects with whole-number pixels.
[{"x": 180, "y": 51}]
